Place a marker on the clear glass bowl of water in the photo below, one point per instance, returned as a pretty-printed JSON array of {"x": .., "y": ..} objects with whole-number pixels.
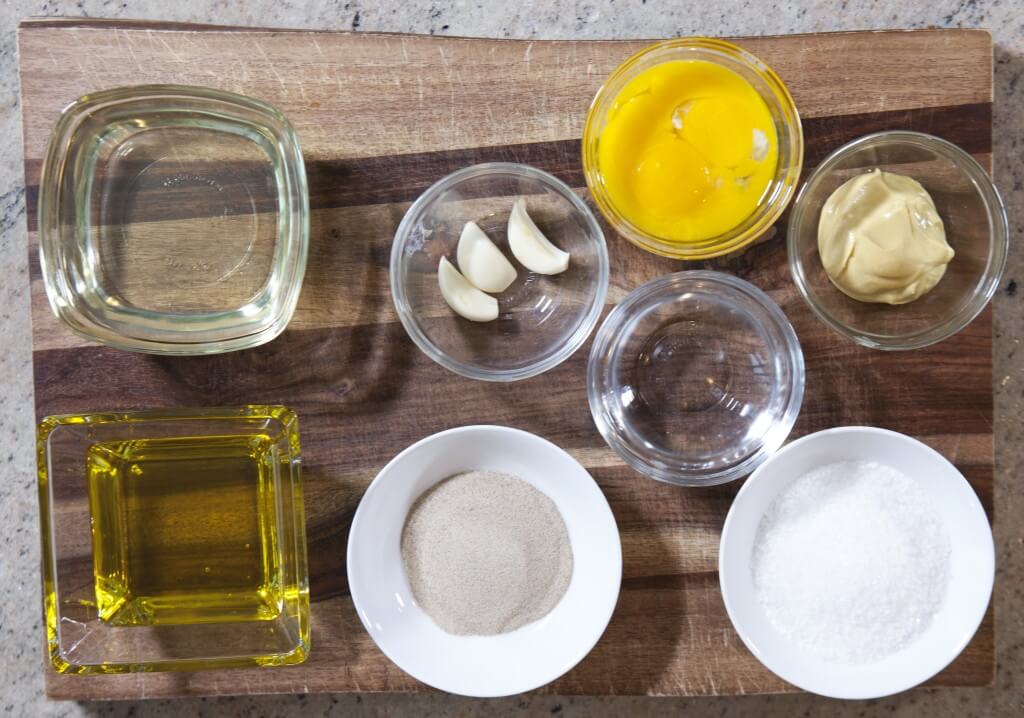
[
  {"x": 695, "y": 378},
  {"x": 173, "y": 220}
]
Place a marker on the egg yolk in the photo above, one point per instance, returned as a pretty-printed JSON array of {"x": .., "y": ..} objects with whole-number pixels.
[{"x": 688, "y": 151}]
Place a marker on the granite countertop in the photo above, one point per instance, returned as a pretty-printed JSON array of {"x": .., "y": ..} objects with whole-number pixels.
[{"x": 21, "y": 684}]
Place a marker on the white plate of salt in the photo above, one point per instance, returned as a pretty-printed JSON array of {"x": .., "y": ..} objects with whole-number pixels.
[
  {"x": 856, "y": 563},
  {"x": 382, "y": 552}
]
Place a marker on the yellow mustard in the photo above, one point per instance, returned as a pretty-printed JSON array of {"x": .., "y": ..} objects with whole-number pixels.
[{"x": 881, "y": 239}]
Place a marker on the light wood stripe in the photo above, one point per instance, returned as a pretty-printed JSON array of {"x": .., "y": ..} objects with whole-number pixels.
[{"x": 365, "y": 79}]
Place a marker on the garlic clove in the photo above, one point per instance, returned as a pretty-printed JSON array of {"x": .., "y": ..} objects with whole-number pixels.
[
  {"x": 481, "y": 262},
  {"x": 530, "y": 246},
  {"x": 465, "y": 299}
]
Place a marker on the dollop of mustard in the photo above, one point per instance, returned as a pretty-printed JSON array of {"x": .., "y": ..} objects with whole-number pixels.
[{"x": 881, "y": 239}]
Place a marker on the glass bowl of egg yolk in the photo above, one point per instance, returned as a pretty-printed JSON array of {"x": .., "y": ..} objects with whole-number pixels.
[{"x": 692, "y": 148}]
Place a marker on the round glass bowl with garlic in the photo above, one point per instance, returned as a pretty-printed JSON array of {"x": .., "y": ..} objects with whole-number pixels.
[
  {"x": 539, "y": 318},
  {"x": 692, "y": 148}
]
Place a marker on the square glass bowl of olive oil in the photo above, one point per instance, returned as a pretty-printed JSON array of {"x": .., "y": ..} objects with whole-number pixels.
[{"x": 173, "y": 540}]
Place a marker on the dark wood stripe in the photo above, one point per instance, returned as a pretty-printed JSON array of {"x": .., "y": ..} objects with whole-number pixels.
[
  {"x": 402, "y": 178},
  {"x": 364, "y": 372},
  {"x": 669, "y": 582},
  {"x": 968, "y": 126}
]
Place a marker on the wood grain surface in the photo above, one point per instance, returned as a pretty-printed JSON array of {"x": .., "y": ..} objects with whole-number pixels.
[{"x": 380, "y": 118}]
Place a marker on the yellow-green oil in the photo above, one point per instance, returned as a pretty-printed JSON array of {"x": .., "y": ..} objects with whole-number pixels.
[{"x": 184, "y": 530}]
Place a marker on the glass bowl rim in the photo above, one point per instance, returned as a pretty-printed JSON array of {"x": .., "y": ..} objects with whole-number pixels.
[
  {"x": 58, "y": 290},
  {"x": 985, "y": 287},
  {"x": 407, "y": 316},
  {"x": 623, "y": 313},
  {"x": 777, "y": 203}
]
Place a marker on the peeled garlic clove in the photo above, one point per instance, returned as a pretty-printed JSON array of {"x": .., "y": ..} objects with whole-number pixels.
[
  {"x": 465, "y": 299},
  {"x": 481, "y": 262},
  {"x": 530, "y": 246}
]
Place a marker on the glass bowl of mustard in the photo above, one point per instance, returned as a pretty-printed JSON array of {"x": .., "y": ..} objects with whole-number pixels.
[
  {"x": 173, "y": 219},
  {"x": 971, "y": 216},
  {"x": 173, "y": 540},
  {"x": 692, "y": 148}
]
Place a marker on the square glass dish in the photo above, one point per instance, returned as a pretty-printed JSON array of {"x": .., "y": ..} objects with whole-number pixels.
[
  {"x": 173, "y": 540},
  {"x": 173, "y": 220}
]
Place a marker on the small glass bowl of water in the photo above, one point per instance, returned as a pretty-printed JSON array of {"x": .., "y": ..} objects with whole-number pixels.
[
  {"x": 173, "y": 220},
  {"x": 695, "y": 378}
]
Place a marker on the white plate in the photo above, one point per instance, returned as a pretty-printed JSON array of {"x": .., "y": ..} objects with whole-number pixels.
[
  {"x": 972, "y": 567},
  {"x": 483, "y": 666}
]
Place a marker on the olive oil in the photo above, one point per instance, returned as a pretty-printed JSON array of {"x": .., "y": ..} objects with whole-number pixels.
[{"x": 184, "y": 530}]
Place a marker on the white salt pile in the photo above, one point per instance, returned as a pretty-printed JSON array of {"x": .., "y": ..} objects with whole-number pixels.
[{"x": 851, "y": 562}]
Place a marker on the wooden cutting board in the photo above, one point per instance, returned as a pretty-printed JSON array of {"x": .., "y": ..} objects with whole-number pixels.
[{"x": 380, "y": 118}]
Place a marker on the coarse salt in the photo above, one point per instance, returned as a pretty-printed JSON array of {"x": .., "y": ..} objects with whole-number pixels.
[{"x": 851, "y": 562}]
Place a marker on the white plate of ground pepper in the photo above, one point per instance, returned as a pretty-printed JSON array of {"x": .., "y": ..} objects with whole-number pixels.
[
  {"x": 484, "y": 561},
  {"x": 856, "y": 562}
]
